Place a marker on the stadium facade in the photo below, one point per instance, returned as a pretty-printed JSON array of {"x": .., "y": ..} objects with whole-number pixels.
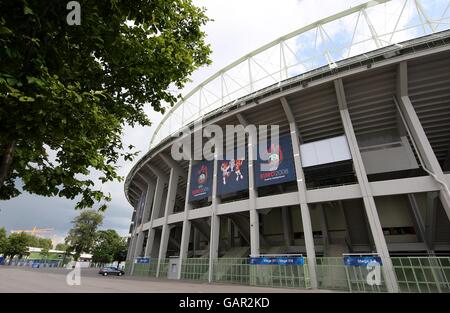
[{"x": 363, "y": 172}]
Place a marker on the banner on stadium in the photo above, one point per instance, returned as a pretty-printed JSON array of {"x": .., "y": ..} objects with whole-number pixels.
[
  {"x": 232, "y": 175},
  {"x": 361, "y": 260},
  {"x": 277, "y": 261},
  {"x": 201, "y": 181},
  {"x": 279, "y": 168},
  {"x": 142, "y": 260}
]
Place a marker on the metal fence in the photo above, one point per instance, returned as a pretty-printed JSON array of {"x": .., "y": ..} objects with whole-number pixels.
[
  {"x": 239, "y": 271},
  {"x": 414, "y": 274},
  {"x": 195, "y": 269},
  {"x": 333, "y": 274},
  {"x": 423, "y": 274}
]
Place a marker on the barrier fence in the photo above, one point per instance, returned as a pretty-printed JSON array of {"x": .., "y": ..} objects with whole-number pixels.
[
  {"x": 414, "y": 274},
  {"x": 33, "y": 262}
]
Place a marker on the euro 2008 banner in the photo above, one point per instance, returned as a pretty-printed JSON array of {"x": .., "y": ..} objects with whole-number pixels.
[
  {"x": 201, "y": 181},
  {"x": 232, "y": 175},
  {"x": 279, "y": 166}
]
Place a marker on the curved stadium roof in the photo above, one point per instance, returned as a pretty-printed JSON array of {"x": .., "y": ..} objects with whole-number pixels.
[{"x": 356, "y": 31}]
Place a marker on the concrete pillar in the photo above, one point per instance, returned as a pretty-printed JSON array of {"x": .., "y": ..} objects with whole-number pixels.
[
  {"x": 130, "y": 254},
  {"x": 324, "y": 227},
  {"x": 139, "y": 244},
  {"x": 301, "y": 185},
  {"x": 186, "y": 232},
  {"x": 215, "y": 219},
  {"x": 419, "y": 224},
  {"x": 170, "y": 203},
  {"x": 230, "y": 231},
  {"x": 253, "y": 193},
  {"x": 157, "y": 201},
  {"x": 139, "y": 239},
  {"x": 369, "y": 202},
  {"x": 420, "y": 139},
  {"x": 149, "y": 196},
  {"x": 287, "y": 226}
]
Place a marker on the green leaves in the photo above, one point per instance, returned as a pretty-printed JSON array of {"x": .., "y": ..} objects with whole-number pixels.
[
  {"x": 81, "y": 237},
  {"x": 108, "y": 247},
  {"x": 26, "y": 99},
  {"x": 68, "y": 91},
  {"x": 5, "y": 30},
  {"x": 27, "y": 10}
]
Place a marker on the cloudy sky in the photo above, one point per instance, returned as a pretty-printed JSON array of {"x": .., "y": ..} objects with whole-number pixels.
[{"x": 239, "y": 27}]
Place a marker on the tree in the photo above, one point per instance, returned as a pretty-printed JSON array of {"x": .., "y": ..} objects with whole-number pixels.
[
  {"x": 109, "y": 247},
  {"x": 3, "y": 240},
  {"x": 61, "y": 247},
  {"x": 82, "y": 235},
  {"x": 66, "y": 91},
  {"x": 121, "y": 251},
  {"x": 17, "y": 244},
  {"x": 45, "y": 253},
  {"x": 37, "y": 242}
]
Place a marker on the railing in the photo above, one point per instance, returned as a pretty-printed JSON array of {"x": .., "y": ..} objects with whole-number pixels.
[
  {"x": 195, "y": 269},
  {"x": 358, "y": 30},
  {"x": 414, "y": 274},
  {"x": 423, "y": 274}
]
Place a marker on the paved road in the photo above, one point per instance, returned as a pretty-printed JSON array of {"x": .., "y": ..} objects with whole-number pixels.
[{"x": 49, "y": 280}]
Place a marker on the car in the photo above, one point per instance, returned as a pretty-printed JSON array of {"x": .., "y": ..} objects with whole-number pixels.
[{"x": 105, "y": 271}]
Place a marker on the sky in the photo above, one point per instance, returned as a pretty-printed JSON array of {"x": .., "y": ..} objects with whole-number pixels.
[{"x": 238, "y": 27}]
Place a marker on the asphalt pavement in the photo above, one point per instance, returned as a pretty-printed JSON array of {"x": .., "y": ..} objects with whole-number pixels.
[{"x": 53, "y": 280}]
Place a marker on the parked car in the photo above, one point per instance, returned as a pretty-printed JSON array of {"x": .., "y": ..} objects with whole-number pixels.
[{"x": 105, "y": 271}]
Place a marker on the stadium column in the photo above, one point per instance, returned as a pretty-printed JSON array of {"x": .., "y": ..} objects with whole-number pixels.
[
  {"x": 304, "y": 209},
  {"x": 186, "y": 232},
  {"x": 131, "y": 251},
  {"x": 137, "y": 247},
  {"x": 148, "y": 198},
  {"x": 170, "y": 203},
  {"x": 368, "y": 199},
  {"x": 215, "y": 219},
  {"x": 161, "y": 181},
  {"x": 419, "y": 137},
  {"x": 140, "y": 234},
  {"x": 157, "y": 201},
  {"x": 253, "y": 193}
]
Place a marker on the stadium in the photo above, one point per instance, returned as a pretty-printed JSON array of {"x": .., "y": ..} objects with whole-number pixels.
[{"x": 362, "y": 101}]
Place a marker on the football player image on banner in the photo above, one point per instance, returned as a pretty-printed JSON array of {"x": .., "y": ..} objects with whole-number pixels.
[
  {"x": 201, "y": 181},
  {"x": 232, "y": 176},
  {"x": 279, "y": 167}
]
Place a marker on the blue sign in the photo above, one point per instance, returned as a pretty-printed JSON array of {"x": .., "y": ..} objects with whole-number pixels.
[
  {"x": 201, "y": 181},
  {"x": 279, "y": 167},
  {"x": 143, "y": 261},
  {"x": 277, "y": 261},
  {"x": 232, "y": 175},
  {"x": 361, "y": 260}
]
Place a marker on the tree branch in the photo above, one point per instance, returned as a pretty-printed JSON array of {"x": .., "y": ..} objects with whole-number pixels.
[{"x": 7, "y": 160}]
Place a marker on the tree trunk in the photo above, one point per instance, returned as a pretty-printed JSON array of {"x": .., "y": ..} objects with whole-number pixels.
[{"x": 6, "y": 161}]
